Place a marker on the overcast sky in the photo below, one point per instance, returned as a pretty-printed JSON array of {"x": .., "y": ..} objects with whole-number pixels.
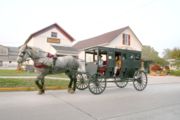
[{"x": 155, "y": 22}]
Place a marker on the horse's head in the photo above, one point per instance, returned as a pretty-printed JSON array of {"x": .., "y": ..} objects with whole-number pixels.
[{"x": 24, "y": 54}]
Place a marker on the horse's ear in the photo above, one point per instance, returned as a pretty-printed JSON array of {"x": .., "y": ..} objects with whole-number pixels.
[
  {"x": 27, "y": 47},
  {"x": 22, "y": 46}
]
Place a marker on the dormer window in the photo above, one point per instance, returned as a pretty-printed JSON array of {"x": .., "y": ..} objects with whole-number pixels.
[
  {"x": 54, "y": 34},
  {"x": 126, "y": 39}
]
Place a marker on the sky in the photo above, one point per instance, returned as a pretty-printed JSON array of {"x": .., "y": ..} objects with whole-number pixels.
[{"x": 155, "y": 22}]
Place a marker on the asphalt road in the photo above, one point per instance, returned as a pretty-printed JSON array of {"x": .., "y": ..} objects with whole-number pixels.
[{"x": 159, "y": 101}]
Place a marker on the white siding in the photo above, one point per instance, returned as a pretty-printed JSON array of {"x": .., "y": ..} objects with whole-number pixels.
[
  {"x": 12, "y": 64},
  {"x": 41, "y": 41},
  {"x": 118, "y": 42},
  {"x": 81, "y": 55},
  {"x": 3, "y": 50}
]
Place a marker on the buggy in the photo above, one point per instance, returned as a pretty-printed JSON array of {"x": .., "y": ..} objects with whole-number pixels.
[{"x": 96, "y": 76}]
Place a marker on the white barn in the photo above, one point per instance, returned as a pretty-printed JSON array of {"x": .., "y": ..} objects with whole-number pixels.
[
  {"x": 123, "y": 38},
  {"x": 53, "y": 39},
  {"x": 8, "y": 56}
]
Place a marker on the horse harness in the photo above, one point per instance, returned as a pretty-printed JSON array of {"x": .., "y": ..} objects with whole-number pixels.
[
  {"x": 41, "y": 65},
  {"x": 54, "y": 57}
]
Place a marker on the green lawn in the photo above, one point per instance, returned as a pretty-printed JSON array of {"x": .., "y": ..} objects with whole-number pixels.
[
  {"x": 7, "y": 82},
  {"x": 176, "y": 73},
  {"x": 29, "y": 83},
  {"x": 24, "y": 73},
  {"x": 16, "y": 73}
]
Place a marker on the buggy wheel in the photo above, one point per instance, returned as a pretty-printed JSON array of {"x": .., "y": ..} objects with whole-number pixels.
[
  {"x": 97, "y": 84},
  {"x": 140, "y": 80},
  {"x": 82, "y": 81},
  {"x": 121, "y": 83}
]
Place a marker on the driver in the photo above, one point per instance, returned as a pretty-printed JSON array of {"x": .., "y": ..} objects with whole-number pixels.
[{"x": 117, "y": 65}]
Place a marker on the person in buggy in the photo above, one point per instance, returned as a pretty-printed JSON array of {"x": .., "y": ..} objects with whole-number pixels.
[{"x": 117, "y": 65}]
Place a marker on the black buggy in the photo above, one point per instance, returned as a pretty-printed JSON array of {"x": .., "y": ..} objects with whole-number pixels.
[{"x": 96, "y": 77}]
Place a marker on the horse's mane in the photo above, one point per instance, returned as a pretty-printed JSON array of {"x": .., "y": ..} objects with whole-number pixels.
[{"x": 37, "y": 51}]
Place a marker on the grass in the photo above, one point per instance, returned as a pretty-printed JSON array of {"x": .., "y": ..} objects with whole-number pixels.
[
  {"x": 175, "y": 72},
  {"x": 16, "y": 73},
  {"x": 24, "y": 73},
  {"x": 7, "y": 82}
]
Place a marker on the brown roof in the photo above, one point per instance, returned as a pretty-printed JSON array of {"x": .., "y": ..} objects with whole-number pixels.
[
  {"x": 64, "y": 50},
  {"x": 46, "y": 29},
  {"x": 101, "y": 39}
]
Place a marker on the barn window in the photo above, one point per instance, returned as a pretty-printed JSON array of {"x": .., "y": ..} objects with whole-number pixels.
[
  {"x": 54, "y": 34},
  {"x": 126, "y": 39}
]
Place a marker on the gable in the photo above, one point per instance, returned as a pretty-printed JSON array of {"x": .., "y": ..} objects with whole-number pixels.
[
  {"x": 105, "y": 39},
  {"x": 44, "y": 30},
  {"x": 99, "y": 40},
  {"x": 133, "y": 42},
  {"x": 52, "y": 36}
]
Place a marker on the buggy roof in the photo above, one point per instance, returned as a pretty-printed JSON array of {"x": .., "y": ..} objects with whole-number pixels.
[{"x": 93, "y": 50}]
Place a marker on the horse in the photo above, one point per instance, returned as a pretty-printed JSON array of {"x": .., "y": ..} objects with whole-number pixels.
[{"x": 46, "y": 63}]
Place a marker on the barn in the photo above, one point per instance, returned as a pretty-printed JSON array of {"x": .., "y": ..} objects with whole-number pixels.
[
  {"x": 53, "y": 39},
  {"x": 8, "y": 56}
]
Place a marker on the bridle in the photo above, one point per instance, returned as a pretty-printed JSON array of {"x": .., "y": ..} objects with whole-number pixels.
[{"x": 22, "y": 54}]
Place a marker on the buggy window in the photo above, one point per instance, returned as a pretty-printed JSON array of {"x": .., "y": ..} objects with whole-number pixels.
[
  {"x": 137, "y": 57},
  {"x": 131, "y": 56},
  {"x": 124, "y": 56}
]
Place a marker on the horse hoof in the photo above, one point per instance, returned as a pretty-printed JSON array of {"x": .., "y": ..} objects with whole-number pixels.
[
  {"x": 71, "y": 91},
  {"x": 41, "y": 92}
]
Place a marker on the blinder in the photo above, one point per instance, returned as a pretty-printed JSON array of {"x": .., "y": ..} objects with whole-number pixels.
[{"x": 21, "y": 54}]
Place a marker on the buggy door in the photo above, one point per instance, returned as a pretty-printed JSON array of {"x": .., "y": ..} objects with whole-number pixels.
[{"x": 111, "y": 63}]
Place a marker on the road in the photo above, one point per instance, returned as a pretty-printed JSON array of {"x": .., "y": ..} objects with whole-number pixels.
[{"x": 159, "y": 101}]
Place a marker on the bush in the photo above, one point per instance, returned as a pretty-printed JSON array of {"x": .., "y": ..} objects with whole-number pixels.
[
  {"x": 166, "y": 70},
  {"x": 156, "y": 68},
  {"x": 175, "y": 72}
]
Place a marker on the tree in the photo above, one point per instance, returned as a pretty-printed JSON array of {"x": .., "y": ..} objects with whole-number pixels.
[
  {"x": 173, "y": 54},
  {"x": 150, "y": 54},
  {"x": 167, "y": 53}
]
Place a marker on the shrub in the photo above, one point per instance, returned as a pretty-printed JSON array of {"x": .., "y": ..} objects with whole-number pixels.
[{"x": 156, "y": 68}]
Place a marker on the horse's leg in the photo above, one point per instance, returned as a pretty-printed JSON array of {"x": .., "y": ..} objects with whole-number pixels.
[
  {"x": 40, "y": 83},
  {"x": 74, "y": 80},
  {"x": 70, "y": 83}
]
